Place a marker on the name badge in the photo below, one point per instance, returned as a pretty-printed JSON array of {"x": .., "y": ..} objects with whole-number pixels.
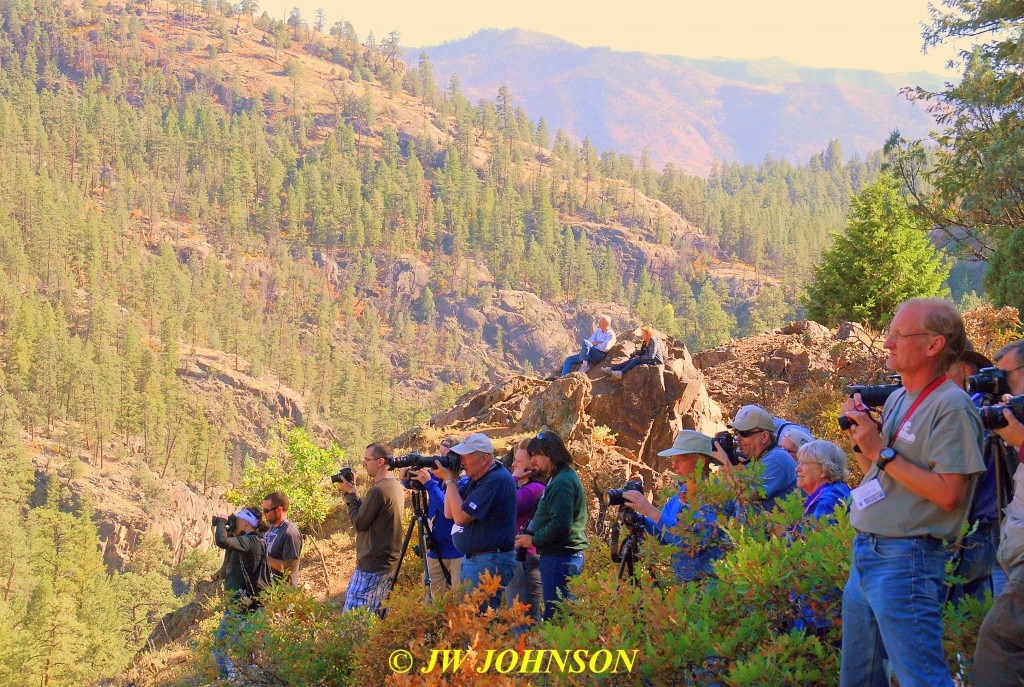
[{"x": 868, "y": 493}]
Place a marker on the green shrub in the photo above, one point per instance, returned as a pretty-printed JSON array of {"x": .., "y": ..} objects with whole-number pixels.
[{"x": 299, "y": 468}]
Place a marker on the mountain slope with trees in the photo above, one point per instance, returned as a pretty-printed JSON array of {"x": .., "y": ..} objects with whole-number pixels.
[
  {"x": 686, "y": 111},
  {"x": 211, "y": 222}
]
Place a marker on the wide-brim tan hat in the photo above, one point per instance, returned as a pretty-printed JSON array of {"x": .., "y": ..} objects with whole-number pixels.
[{"x": 689, "y": 441}]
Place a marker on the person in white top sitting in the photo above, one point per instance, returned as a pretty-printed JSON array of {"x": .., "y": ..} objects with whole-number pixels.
[{"x": 594, "y": 349}]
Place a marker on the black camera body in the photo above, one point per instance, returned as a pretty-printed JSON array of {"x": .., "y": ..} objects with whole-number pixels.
[
  {"x": 727, "y": 441},
  {"x": 990, "y": 381},
  {"x": 871, "y": 395},
  {"x": 417, "y": 461},
  {"x": 992, "y": 416},
  {"x": 521, "y": 551},
  {"x": 344, "y": 474},
  {"x": 615, "y": 496}
]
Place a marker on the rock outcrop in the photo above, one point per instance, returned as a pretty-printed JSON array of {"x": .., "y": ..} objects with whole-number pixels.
[{"x": 644, "y": 409}]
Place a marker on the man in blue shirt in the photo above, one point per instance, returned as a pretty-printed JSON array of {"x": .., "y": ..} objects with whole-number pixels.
[
  {"x": 755, "y": 434},
  {"x": 484, "y": 511},
  {"x": 700, "y": 548}
]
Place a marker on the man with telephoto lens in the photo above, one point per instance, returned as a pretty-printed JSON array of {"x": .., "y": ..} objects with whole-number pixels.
[
  {"x": 377, "y": 518},
  {"x": 245, "y": 573},
  {"x": 484, "y": 511},
  {"x": 920, "y": 460},
  {"x": 440, "y": 527},
  {"x": 755, "y": 433},
  {"x": 694, "y": 560},
  {"x": 999, "y": 656}
]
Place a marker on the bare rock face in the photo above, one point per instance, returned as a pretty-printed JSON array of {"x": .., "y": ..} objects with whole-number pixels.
[
  {"x": 562, "y": 406},
  {"x": 182, "y": 525},
  {"x": 531, "y": 329}
]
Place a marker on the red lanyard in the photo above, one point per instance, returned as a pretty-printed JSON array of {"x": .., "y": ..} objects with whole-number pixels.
[{"x": 924, "y": 394}]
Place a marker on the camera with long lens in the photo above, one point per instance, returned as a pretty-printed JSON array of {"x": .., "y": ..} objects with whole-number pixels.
[
  {"x": 615, "y": 496},
  {"x": 992, "y": 416},
  {"x": 990, "y": 381},
  {"x": 871, "y": 395},
  {"x": 417, "y": 461},
  {"x": 344, "y": 474},
  {"x": 728, "y": 443}
]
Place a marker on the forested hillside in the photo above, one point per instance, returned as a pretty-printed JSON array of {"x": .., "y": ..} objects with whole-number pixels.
[{"x": 183, "y": 184}]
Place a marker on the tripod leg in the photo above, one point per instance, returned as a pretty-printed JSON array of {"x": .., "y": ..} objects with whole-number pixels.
[{"x": 401, "y": 557}]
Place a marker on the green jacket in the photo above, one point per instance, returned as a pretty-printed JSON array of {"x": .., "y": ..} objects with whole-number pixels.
[{"x": 561, "y": 516}]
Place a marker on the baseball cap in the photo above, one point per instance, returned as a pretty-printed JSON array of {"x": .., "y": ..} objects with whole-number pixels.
[
  {"x": 473, "y": 443},
  {"x": 753, "y": 417},
  {"x": 798, "y": 436},
  {"x": 689, "y": 441}
]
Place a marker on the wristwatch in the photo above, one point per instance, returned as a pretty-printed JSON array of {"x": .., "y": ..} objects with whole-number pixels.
[
  {"x": 885, "y": 456},
  {"x": 451, "y": 480}
]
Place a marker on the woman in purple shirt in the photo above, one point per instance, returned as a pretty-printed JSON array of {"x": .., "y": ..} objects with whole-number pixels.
[{"x": 525, "y": 585}]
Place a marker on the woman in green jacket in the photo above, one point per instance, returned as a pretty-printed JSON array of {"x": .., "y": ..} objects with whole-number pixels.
[{"x": 560, "y": 519}]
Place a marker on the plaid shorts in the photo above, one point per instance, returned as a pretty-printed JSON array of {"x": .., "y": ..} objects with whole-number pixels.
[{"x": 366, "y": 590}]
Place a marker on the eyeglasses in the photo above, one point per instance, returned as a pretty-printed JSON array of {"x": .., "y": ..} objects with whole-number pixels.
[
  {"x": 896, "y": 337},
  {"x": 1012, "y": 369},
  {"x": 807, "y": 462},
  {"x": 749, "y": 432}
]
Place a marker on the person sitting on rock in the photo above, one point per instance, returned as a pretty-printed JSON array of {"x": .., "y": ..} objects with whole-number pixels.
[
  {"x": 594, "y": 349},
  {"x": 650, "y": 353}
]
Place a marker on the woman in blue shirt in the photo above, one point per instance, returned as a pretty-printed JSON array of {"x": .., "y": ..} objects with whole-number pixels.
[{"x": 821, "y": 469}]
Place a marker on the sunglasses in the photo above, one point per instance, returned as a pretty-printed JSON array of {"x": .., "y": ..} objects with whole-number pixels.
[
  {"x": 268, "y": 510},
  {"x": 748, "y": 432}
]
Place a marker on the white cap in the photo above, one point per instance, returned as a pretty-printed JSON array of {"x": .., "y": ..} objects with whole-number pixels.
[{"x": 475, "y": 443}]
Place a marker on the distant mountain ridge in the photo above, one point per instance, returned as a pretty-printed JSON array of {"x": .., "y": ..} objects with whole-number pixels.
[{"x": 684, "y": 111}]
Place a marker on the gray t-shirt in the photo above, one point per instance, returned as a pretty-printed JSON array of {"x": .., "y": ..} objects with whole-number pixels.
[{"x": 943, "y": 435}]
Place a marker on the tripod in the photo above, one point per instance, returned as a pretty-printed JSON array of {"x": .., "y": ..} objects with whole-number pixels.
[
  {"x": 425, "y": 536},
  {"x": 626, "y": 553}
]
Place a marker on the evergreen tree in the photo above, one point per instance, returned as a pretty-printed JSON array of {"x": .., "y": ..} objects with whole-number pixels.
[{"x": 881, "y": 259}]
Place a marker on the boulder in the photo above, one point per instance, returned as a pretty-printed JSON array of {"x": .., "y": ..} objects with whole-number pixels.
[
  {"x": 715, "y": 356},
  {"x": 809, "y": 328},
  {"x": 561, "y": 407}
]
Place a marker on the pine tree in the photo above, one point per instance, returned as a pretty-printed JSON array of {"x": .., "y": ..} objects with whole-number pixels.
[{"x": 881, "y": 259}]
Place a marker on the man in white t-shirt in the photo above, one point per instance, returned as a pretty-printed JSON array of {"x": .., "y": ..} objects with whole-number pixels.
[{"x": 594, "y": 349}]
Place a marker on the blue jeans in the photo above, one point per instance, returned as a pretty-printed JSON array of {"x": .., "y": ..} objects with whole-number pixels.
[
  {"x": 220, "y": 656},
  {"x": 892, "y": 616},
  {"x": 588, "y": 352},
  {"x": 500, "y": 565},
  {"x": 633, "y": 362},
  {"x": 526, "y": 586},
  {"x": 977, "y": 559},
  {"x": 555, "y": 572}
]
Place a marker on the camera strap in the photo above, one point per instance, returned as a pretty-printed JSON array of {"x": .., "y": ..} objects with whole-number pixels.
[{"x": 935, "y": 384}]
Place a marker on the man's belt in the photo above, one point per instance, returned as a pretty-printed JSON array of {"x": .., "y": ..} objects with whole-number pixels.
[{"x": 488, "y": 551}]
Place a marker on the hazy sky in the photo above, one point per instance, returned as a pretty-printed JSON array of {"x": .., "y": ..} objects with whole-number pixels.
[{"x": 863, "y": 34}]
